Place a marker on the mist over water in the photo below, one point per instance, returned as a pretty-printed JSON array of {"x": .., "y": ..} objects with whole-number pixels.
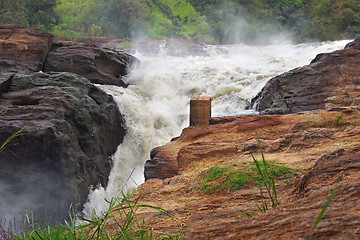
[
  {"x": 156, "y": 103},
  {"x": 32, "y": 191}
]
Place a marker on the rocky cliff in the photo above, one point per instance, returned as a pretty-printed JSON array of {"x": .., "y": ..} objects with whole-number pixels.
[
  {"x": 71, "y": 127},
  {"x": 330, "y": 80},
  {"x": 320, "y": 138},
  {"x": 97, "y": 64}
]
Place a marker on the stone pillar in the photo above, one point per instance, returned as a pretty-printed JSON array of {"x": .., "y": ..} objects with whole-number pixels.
[{"x": 200, "y": 111}]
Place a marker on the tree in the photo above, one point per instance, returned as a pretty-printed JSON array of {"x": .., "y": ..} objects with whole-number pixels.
[
  {"x": 38, "y": 14},
  {"x": 41, "y": 14},
  {"x": 13, "y": 11}
]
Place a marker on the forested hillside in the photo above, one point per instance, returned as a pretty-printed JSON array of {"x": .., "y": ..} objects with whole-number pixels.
[{"x": 221, "y": 21}]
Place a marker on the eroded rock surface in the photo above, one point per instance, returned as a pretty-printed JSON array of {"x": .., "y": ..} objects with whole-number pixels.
[
  {"x": 331, "y": 80},
  {"x": 323, "y": 143}
]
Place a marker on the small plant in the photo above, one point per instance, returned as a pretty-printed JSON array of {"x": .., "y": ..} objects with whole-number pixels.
[
  {"x": 62, "y": 231},
  {"x": 214, "y": 172},
  {"x": 219, "y": 178},
  {"x": 245, "y": 213},
  {"x": 126, "y": 226},
  {"x": 337, "y": 121},
  {"x": 208, "y": 188},
  {"x": 266, "y": 179},
  {"x": 323, "y": 210},
  {"x": 6, "y": 230},
  {"x": 11, "y": 138},
  {"x": 276, "y": 169},
  {"x": 211, "y": 175},
  {"x": 235, "y": 179},
  {"x": 125, "y": 44},
  {"x": 235, "y": 176}
]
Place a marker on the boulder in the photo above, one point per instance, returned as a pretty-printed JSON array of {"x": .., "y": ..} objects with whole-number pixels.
[
  {"x": 330, "y": 80},
  {"x": 23, "y": 50},
  {"x": 97, "y": 64},
  {"x": 71, "y": 129}
]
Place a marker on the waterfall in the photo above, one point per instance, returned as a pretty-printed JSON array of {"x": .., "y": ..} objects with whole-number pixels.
[{"x": 156, "y": 103}]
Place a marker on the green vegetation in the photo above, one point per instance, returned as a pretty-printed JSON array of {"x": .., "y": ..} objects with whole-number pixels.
[
  {"x": 262, "y": 173},
  {"x": 267, "y": 179},
  {"x": 337, "y": 121},
  {"x": 222, "y": 21},
  {"x": 37, "y": 14},
  {"x": 126, "y": 226},
  {"x": 220, "y": 178},
  {"x": 235, "y": 176},
  {"x": 323, "y": 210}
]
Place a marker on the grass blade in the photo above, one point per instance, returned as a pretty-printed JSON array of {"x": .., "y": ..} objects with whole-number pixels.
[
  {"x": 245, "y": 213},
  {"x": 323, "y": 210},
  {"x": 265, "y": 178},
  {"x": 11, "y": 138}
]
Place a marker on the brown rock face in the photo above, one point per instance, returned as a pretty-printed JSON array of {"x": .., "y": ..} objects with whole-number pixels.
[
  {"x": 99, "y": 65},
  {"x": 331, "y": 80},
  {"x": 23, "y": 50},
  {"x": 325, "y": 142}
]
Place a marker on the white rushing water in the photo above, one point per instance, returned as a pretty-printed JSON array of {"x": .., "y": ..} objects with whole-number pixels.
[{"x": 156, "y": 103}]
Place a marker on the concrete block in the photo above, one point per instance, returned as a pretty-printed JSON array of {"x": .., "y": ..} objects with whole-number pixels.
[{"x": 200, "y": 110}]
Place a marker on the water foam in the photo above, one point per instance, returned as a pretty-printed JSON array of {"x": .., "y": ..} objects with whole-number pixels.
[{"x": 156, "y": 104}]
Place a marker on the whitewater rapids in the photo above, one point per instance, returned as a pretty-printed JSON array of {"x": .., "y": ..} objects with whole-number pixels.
[{"x": 156, "y": 103}]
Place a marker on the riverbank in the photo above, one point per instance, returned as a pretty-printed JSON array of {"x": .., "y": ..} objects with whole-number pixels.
[{"x": 322, "y": 144}]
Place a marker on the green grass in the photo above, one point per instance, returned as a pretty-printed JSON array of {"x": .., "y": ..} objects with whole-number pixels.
[
  {"x": 235, "y": 179},
  {"x": 267, "y": 179},
  {"x": 125, "y": 225},
  {"x": 236, "y": 176},
  {"x": 275, "y": 169},
  {"x": 262, "y": 173},
  {"x": 211, "y": 174},
  {"x": 337, "y": 121},
  {"x": 214, "y": 173}
]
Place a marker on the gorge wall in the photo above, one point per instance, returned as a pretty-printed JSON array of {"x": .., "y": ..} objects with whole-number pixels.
[{"x": 71, "y": 128}]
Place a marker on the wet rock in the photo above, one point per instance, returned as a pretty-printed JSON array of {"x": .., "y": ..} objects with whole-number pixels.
[
  {"x": 354, "y": 44},
  {"x": 330, "y": 80},
  {"x": 71, "y": 127},
  {"x": 97, "y": 64},
  {"x": 71, "y": 130}
]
